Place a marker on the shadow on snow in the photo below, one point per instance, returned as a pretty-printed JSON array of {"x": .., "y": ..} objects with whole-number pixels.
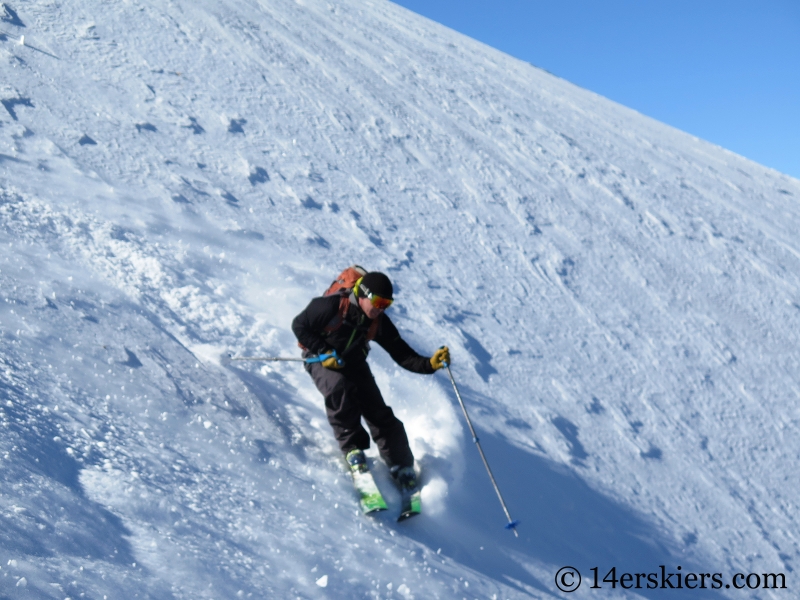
[{"x": 563, "y": 522}]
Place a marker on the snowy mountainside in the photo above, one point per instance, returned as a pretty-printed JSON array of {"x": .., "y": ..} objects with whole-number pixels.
[{"x": 178, "y": 180}]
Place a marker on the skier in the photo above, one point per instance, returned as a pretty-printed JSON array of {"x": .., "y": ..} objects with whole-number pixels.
[{"x": 332, "y": 324}]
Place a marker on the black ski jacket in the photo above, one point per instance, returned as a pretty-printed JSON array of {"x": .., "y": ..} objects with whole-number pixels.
[{"x": 350, "y": 339}]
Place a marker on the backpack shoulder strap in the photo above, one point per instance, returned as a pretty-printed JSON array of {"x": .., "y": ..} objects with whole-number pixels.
[
  {"x": 373, "y": 329},
  {"x": 336, "y": 322}
]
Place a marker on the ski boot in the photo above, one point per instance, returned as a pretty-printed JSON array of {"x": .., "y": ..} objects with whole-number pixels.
[{"x": 357, "y": 461}]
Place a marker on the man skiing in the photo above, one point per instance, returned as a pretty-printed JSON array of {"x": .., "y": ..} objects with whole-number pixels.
[{"x": 341, "y": 325}]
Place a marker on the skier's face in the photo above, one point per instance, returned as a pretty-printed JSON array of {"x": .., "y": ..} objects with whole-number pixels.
[{"x": 369, "y": 310}]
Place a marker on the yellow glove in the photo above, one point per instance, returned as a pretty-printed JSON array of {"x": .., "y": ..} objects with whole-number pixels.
[
  {"x": 334, "y": 362},
  {"x": 440, "y": 358}
]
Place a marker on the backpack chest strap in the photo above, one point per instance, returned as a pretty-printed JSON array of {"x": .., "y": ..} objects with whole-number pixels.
[{"x": 341, "y": 317}]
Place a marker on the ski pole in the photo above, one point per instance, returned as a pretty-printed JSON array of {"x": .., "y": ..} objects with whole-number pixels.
[
  {"x": 512, "y": 524},
  {"x": 269, "y": 358},
  {"x": 309, "y": 359}
]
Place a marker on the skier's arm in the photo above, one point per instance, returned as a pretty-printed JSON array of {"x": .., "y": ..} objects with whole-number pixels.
[
  {"x": 309, "y": 325},
  {"x": 389, "y": 339}
]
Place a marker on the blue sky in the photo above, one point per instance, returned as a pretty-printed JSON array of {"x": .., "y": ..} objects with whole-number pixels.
[{"x": 725, "y": 71}]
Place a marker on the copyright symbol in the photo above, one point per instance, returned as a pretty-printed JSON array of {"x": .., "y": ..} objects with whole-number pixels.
[{"x": 568, "y": 579}]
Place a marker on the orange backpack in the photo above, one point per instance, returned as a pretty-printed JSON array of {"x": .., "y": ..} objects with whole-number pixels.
[
  {"x": 346, "y": 280},
  {"x": 343, "y": 285}
]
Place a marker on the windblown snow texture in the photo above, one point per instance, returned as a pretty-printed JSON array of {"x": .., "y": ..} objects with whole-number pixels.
[{"x": 178, "y": 179}]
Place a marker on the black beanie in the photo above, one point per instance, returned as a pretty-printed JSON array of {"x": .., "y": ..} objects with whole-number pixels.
[{"x": 375, "y": 283}]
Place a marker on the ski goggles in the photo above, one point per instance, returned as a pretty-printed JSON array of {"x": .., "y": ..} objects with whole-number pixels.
[
  {"x": 376, "y": 300},
  {"x": 379, "y": 301}
]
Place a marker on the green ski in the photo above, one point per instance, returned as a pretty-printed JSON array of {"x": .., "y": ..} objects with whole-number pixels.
[
  {"x": 370, "y": 497},
  {"x": 411, "y": 504}
]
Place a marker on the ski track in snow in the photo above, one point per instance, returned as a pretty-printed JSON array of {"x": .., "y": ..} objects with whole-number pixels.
[{"x": 622, "y": 302}]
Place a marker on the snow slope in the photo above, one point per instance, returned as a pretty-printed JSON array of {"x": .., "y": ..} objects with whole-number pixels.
[{"x": 177, "y": 180}]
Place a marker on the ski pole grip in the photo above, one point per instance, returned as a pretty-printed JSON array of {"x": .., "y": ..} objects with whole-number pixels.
[
  {"x": 319, "y": 358},
  {"x": 323, "y": 357}
]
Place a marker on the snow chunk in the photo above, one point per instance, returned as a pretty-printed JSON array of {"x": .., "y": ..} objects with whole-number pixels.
[
  {"x": 208, "y": 353},
  {"x": 434, "y": 494}
]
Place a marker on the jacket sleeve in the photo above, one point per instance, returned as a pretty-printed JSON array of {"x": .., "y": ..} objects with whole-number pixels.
[
  {"x": 309, "y": 325},
  {"x": 389, "y": 339}
]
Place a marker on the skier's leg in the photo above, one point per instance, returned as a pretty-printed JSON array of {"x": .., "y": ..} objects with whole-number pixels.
[
  {"x": 386, "y": 429},
  {"x": 341, "y": 407}
]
